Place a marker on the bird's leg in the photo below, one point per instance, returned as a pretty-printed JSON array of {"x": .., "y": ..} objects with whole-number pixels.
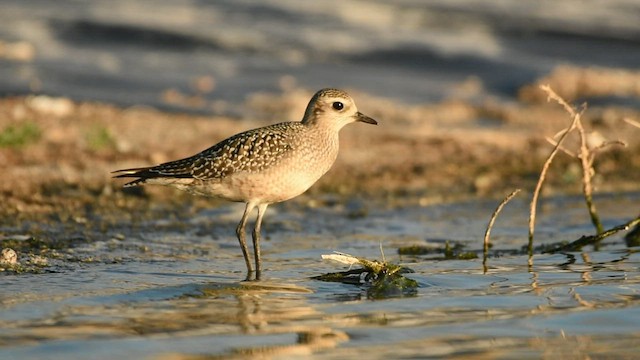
[
  {"x": 242, "y": 237},
  {"x": 262, "y": 208}
]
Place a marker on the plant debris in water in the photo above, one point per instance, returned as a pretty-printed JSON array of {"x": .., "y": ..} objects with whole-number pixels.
[
  {"x": 449, "y": 252},
  {"x": 382, "y": 279}
]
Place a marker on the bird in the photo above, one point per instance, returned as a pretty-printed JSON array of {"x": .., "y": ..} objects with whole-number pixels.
[{"x": 263, "y": 166}]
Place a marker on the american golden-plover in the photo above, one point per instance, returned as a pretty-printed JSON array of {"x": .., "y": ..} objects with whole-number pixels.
[{"x": 262, "y": 166}]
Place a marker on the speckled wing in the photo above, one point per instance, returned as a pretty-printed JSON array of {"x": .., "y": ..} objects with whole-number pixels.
[{"x": 251, "y": 151}]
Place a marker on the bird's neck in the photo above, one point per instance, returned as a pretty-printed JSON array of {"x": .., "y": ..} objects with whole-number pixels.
[{"x": 327, "y": 125}]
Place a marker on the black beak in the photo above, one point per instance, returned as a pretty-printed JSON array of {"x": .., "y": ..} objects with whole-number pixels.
[{"x": 365, "y": 119}]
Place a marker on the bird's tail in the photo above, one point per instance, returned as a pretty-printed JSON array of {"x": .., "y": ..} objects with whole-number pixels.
[
  {"x": 178, "y": 169},
  {"x": 142, "y": 174}
]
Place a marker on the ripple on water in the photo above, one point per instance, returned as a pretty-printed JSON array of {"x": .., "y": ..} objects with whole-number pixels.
[{"x": 182, "y": 294}]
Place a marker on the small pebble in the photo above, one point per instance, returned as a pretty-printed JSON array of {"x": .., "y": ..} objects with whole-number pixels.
[{"x": 8, "y": 256}]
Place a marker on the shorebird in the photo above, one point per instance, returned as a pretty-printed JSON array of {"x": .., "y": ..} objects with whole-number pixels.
[{"x": 262, "y": 166}]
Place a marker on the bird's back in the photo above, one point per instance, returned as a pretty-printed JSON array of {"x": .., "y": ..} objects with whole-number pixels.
[{"x": 278, "y": 161}]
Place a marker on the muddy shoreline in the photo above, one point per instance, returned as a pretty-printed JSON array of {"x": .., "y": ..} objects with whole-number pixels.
[{"x": 58, "y": 154}]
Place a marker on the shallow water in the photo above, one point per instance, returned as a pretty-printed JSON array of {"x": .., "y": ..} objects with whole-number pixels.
[{"x": 166, "y": 293}]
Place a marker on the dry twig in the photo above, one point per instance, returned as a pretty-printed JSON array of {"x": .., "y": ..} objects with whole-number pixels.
[
  {"x": 594, "y": 239},
  {"x": 547, "y": 163},
  {"x": 586, "y": 156},
  {"x": 555, "y": 143},
  {"x": 487, "y": 233},
  {"x": 632, "y": 122}
]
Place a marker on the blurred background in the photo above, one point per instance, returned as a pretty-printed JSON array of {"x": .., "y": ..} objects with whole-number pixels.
[
  {"x": 89, "y": 87},
  {"x": 206, "y": 56},
  {"x": 454, "y": 85}
]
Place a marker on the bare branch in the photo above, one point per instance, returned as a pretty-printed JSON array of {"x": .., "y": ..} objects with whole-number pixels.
[
  {"x": 487, "y": 233},
  {"x": 586, "y": 160},
  {"x": 632, "y": 122},
  {"x": 565, "y": 150},
  {"x": 609, "y": 143},
  {"x": 545, "y": 167},
  {"x": 551, "y": 95},
  {"x": 595, "y": 239}
]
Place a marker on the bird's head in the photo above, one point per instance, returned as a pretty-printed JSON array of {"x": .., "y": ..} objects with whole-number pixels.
[{"x": 334, "y": 107}]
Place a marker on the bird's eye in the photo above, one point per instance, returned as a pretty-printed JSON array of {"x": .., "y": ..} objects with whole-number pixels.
[{"x": 338, "y": 105}]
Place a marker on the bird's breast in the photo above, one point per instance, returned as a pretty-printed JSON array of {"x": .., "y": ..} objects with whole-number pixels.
[{"x": 292, "y": 175}]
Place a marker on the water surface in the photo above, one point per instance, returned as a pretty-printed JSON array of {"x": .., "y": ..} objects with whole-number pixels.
[{"x": 159, "y": 293}]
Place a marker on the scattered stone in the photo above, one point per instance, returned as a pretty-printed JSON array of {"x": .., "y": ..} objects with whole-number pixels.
[
  {"x": 38, "y": 260},
  {"x": 8, "y": 257},
  {"x": 48, "y": 105}
]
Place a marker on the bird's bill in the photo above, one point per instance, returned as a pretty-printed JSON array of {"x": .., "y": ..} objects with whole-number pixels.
[{"x": 365, "y": 119}]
